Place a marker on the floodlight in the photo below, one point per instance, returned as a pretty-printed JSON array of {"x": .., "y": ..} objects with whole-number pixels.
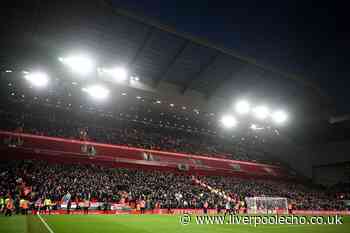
[
  {"x": 279, "y": 116},
  {"x": 119, "y": 74},
  {"x": 134, "y": 81},
  {"x": 97, "y": 92},
  {"x": 255, "y": 127},
  {"x": 134, "y": 78},
  {"x": 261, "y": 112},
  {"x": 242, "y": 107},
  {"x": 79, "y": 64},
  {"x": 228, "y": 121},
  {"x": 37, "y": 79}
]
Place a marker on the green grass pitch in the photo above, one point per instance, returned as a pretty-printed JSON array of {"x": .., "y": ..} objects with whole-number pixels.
[{"x": 145, "y": 223}]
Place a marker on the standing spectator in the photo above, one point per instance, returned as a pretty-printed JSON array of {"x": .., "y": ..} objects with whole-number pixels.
[
  {"x": 86, "y": 205},
  {"x": 24, "y": 204},
  {"x": 142, "y": 206},
  {"x": 2, "y": 204},
  {"x": 9, "y": 206},
  {"x": 205, "y": 207},
  {"x": 47, "y": 205},
  {"x": 69, "y": 204}
]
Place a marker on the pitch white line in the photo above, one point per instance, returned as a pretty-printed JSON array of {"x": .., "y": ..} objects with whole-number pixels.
[{"x": 45, "y": 224}]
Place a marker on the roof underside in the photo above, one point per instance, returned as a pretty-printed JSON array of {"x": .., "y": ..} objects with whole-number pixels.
[{"x": 38, "y": 33}]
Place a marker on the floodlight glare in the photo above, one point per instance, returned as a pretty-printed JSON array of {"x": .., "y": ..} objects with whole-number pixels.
[
  {"x": 37, "y": 79},
  {"x": 261, "y": 112},
  {"x": 228, "y": 121},
  {"x": 119, "y": 74},
  {"x": 134, "y": 78},
  {"x": 97, "y": 92},
  {"x": 79, "y": 64},
  {"x": 253, "y": 127},
  {"x": 242, "y": 107},
  {"x": 279, "y": 116}
]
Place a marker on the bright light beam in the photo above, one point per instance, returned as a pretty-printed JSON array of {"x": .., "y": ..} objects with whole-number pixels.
[
  {"x": 261, "y": 112},
  {"x": 228, "y": 121},
  {"x": 79, "y": 64},
  {"x": 279, "y": 117},
  {"x": 242, "y": 107},
  {"x": 97, "y": 92},
  {"x": 37, "y": 79},
  {"x": 255, "y": 127},
  {"x": 119, "y": 74}
]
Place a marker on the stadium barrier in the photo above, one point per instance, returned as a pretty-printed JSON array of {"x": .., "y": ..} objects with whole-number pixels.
[
  {"x": 68, "y": 150},
  {"x": 321, "y": 212},
  {"x": 188, "y": 211},
  {"x": 131, "y": 211}
]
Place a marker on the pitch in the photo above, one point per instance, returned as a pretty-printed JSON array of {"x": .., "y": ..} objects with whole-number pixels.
[{"x": 144, "y": 223}]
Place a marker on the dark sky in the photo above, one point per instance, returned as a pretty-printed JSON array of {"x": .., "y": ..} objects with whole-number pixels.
[{"x": 310, "y": 39}]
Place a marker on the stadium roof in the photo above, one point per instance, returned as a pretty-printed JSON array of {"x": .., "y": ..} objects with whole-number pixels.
[{"x": 171, "y": 64}]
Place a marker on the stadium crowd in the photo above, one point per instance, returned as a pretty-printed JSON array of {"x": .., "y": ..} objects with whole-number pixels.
[
  {"x": 55, "y": 183},
  {"x": 52, "y": 122},
  {"x": 301, "y": 196}
]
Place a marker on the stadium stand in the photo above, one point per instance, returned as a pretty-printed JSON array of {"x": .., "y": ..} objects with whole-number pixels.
[
  {"x": 159, "y": 189},
  {"x": 40, "y": 120}
]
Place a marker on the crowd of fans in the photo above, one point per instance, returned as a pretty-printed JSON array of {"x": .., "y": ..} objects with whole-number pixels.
[
  {"x": 52, "y": 122},
  {"x": 299, "y": 195},
  {"x": 102, "y": 184},
  {"x": 36, "y": 182}
]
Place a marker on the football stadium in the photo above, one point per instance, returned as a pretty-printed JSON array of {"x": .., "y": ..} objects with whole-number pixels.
[{"x": 112, "y": 121}]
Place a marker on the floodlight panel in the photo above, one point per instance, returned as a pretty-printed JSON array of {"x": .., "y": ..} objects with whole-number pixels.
[
  {"x": 228, "y": 121},
  {"x": 79, "y": 64},
  {"x": 261, "y": 112},
  {"x": 119, "y": 74},
  {"x": 242, "y": 107},
  {"x": 279, "y": 116},
  {"x": 38, "y": 79},
  {"x": 97, "y": 92}
]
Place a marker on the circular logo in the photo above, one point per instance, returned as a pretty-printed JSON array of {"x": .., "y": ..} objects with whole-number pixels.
[{"x": 185, "y": 219}]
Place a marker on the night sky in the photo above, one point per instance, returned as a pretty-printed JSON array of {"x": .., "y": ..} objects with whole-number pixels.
[{"x": 302, "y": 38}]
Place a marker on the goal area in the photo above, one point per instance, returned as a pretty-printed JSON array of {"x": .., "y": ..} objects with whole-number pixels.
[{"x": 267, "y": 205}]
